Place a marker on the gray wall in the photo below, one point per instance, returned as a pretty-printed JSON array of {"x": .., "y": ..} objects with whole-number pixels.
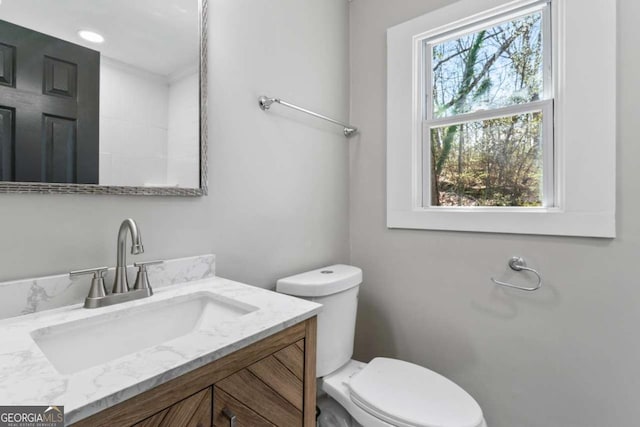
[
  {"x": 278, "y": 199},
  {"x": 566, "y": 356}
]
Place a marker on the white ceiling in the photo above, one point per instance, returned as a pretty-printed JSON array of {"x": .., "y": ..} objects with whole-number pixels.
[{"x": 160, "y": 36}]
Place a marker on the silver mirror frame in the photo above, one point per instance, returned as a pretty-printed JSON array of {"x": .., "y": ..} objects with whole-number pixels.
[{"x": 51, "y": 188}]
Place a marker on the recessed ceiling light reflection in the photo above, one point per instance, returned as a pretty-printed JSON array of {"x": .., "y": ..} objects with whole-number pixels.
[{"x": 90, "y": 36}]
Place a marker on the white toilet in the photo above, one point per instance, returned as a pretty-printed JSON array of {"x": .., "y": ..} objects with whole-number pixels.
[{"x": 384, "y": 392}]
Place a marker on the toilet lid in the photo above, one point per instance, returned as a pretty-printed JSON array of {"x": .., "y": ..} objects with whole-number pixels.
[{"x": 409, "y": 395}]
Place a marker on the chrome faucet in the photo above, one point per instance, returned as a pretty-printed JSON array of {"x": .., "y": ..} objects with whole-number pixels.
[
  {"x": 121, "y": 292},
  {"x": 121, "y": 283}
]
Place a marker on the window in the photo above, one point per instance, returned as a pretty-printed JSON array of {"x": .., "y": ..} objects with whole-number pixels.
[
  {"x": 488, "y": 127},
  {"x": 501, "y": 118}
]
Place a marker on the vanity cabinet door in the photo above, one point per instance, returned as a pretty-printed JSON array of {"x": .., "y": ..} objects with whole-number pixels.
[
  {"x": 271, "y": 388},
  {"x": 194, "y": 411}
]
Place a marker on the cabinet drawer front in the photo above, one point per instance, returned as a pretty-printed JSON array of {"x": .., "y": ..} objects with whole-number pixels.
[
  {"x": 194, "y": 411},
  {"x": 245, "y": 417}
]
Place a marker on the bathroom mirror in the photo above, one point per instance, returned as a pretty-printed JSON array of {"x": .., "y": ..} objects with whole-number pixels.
[{"x": 103, "y": 97}]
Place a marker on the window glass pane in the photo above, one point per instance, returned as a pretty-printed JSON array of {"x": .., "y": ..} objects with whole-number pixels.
[
  {"x": 492, "y": 68},
  {"x": 495, "y": 162}
]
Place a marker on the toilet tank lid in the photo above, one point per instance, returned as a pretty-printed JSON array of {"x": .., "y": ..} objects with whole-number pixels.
[{"x": 321, "y": 282}]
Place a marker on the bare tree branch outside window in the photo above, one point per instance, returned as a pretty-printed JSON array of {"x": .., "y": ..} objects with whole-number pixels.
[{"x": 496, "y": 161}]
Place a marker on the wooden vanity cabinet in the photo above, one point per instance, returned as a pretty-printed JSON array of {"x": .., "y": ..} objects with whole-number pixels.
[
  {"x": 269, "y": 383},
  {"x": 194, "y": 411},
  {"x": 269, "y": 392}
]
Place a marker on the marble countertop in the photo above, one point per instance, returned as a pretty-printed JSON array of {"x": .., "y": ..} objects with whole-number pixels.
[{"x": 27, "y": 377}]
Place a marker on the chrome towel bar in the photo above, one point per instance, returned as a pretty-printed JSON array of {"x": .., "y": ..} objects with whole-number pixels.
[
  {"x": 265, "y": 103},
  {"x": 518, "y": 264}
]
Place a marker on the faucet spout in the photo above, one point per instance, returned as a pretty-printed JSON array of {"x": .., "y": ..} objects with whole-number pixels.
[{"x": 128, "y": 226}]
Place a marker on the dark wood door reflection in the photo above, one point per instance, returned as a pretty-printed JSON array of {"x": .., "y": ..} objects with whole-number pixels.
[{"x": 49, "y": 108}]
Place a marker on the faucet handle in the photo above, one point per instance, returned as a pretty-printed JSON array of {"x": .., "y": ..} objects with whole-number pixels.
[
  {"x": 142, "y": 279},
  {"x": 143, "y": 264},
  {"x": 97, "y": 289},
  {"x": 97, "y": 272}
]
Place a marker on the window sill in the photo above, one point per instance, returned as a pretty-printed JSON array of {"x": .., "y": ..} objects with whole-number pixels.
[{"x": 539, "y": 221}]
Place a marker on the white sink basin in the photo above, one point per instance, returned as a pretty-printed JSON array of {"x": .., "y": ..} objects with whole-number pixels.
[{"x": 74, "y": 346}]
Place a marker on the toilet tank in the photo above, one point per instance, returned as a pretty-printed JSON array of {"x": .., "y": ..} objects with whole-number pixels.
[{"x": 336, "y": 288}]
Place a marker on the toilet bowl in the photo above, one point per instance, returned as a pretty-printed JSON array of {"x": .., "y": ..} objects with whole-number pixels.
[{"x": 384, "y": 392}]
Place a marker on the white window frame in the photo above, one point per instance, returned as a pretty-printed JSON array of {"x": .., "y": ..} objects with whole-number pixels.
[{"x": 582, "y": 179}]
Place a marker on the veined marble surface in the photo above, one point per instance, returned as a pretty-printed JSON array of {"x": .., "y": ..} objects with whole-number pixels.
[
  {"x": 27, "y": 377},
  {"x": 27, "y": 296}
]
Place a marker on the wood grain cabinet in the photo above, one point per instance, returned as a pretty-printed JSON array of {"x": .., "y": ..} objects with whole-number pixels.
[
  {"x": 269, "y": 389},
  {"x": 194, "y": 411},
  {"x": 269, "y": 383}
]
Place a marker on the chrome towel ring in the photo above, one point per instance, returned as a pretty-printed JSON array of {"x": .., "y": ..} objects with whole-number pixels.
[{"x": 518, "y": 264}]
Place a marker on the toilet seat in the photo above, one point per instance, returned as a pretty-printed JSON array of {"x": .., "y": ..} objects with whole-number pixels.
[
  {"x": 409, "y": 395},
  {"x": 389, "y": 392}
]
